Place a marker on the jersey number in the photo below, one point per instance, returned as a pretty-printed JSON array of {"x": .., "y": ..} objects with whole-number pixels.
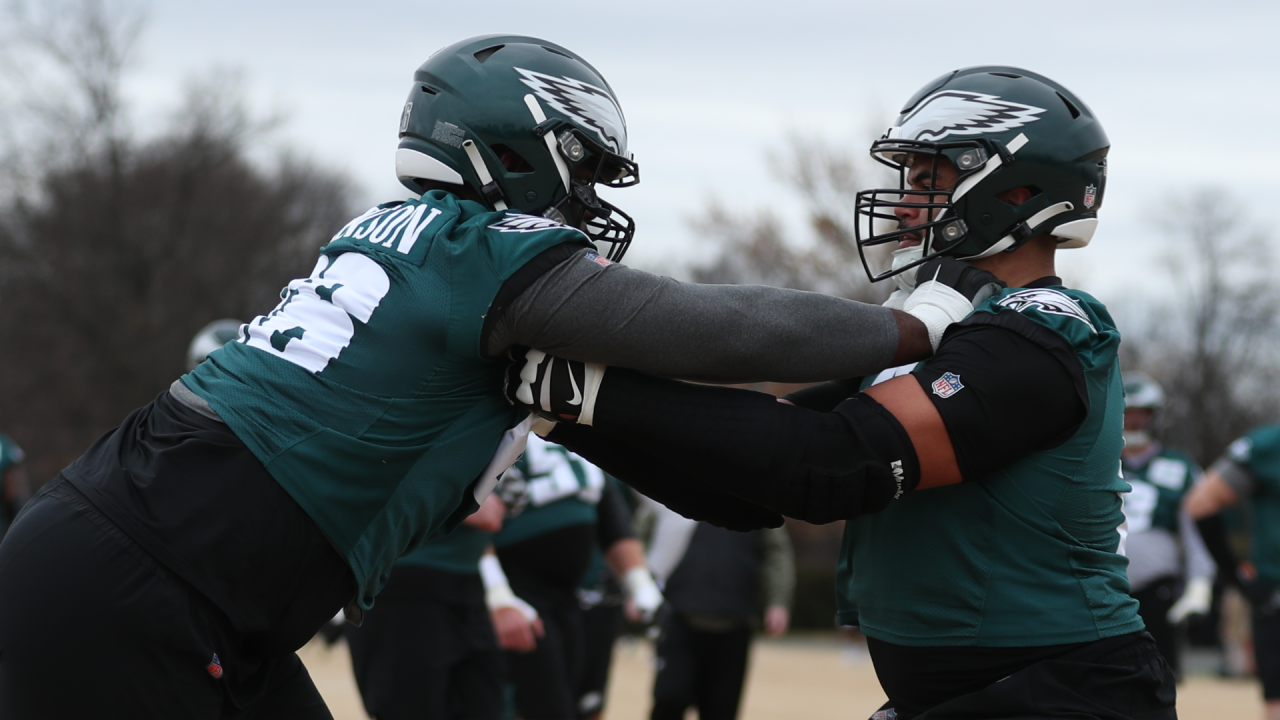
[{"x": 315, "y": 319}]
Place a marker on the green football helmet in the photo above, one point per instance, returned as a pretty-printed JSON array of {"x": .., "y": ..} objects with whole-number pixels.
[
  {"x": 527, "y": 125},
  {"x": 210, "y": 338},
  {"x": 1001, "y": 128}
]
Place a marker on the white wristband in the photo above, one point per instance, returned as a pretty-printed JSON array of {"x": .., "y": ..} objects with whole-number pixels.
[{"x": 497, "y": 591}]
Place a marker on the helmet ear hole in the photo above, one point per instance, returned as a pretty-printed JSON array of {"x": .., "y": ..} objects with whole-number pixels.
[{"x": 511, "y": 160}]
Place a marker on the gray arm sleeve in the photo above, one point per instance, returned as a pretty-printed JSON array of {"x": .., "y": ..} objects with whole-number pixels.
[
  {"x": 1198, "y": 562},
  {"x": 1236, "y": 476},
  {"x": 623, "y": 317}
]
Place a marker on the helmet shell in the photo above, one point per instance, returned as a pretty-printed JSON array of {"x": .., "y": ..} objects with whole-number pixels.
[{"x": 476, "y": 90}]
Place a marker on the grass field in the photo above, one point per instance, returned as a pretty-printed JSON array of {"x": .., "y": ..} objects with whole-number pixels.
[{"x": 796, "y": 677}]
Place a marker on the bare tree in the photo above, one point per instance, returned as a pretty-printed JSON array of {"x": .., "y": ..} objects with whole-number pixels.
[
  {"x": 755, "y": 247},
  {"x": 1214, "y": 344},
  {"x": 114, "y": 255}
]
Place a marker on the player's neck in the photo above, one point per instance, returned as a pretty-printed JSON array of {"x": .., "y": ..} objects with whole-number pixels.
[{"x": 1025, "y": 265}]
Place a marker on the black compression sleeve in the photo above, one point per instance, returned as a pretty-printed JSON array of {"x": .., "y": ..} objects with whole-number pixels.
[
  {"x": 1003, "y": 394},
  {"x": 613, "y": 519},
  {"x": 817, "y": 467},
  {"x": 1213, "y": 530},
  {"x": 680, "y": 491}
]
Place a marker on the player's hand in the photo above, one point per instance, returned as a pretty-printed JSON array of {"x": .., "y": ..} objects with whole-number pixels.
[
  {"x": 554, "y": 388},
  {"x": 515, "y": 630},
  {"x": 776, "y": 621},
  {"x": 1195, "y": 600},
  {"x": 947, "y": 291}
]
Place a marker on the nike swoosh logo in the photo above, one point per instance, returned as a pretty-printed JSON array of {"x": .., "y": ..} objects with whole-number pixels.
[{"x": 577, "y": 394}]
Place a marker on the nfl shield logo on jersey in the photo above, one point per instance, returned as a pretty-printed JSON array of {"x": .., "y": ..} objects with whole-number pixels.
[
  {"x": 947, "y": 385},
  {"x": 1090, "y": 195}
]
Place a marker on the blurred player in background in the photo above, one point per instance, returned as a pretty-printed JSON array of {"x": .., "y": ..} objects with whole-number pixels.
[
  {"x": 605, "y": 608},
  {"x": 1249, "y": 472},
  {"x": 982, "y": 489},
  {"x": 715, "y": 582},
  {"x": 1170, "y": 571},
  {"x": 15, "y": 488},
  {"x": 211, "y": 535},
  {"x": 560, "y": 507},
  {"x": 428, "y": 649}
]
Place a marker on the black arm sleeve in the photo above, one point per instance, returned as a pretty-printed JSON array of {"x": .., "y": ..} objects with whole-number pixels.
[
  {"x": 1213, "y": 530},
  {"x": 1004, "y": 387},
  {"x": 652, "y": 477},
  {"x": 817, "y": 467},
  {"x": 613, "y": 519}
]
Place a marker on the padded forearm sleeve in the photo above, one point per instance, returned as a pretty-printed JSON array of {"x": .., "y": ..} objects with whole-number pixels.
[
  {"x": 813, "y": 466},
  {"x": 648, "y": 472}
]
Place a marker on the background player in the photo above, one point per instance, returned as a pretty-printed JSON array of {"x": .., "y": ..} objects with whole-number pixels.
[
  {"x": 715, "y": 582},
  {"x": 428, "y": 649},
  {"x": 982, "y": 488},
  {"x": 1170, "y": 571},
  {"x": 560, "y": 509},
  {"x": 1249, "y": 472}
]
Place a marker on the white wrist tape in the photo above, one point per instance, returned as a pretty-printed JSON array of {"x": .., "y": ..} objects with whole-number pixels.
[
  {"x": 937, "y": 306},
  {"x": 592, "y": 378},
  {"x": 643, "y": 591},
  {"x": 497, "y": 591},
  {"x": 897, "y": 299}
]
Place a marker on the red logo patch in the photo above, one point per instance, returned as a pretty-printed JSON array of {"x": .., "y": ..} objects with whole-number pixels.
[{"x": 215, "y": 667}]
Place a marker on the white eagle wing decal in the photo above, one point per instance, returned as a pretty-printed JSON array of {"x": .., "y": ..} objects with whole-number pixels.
[
  {"x": 955, "y": 112},
  {"x": 1050, "y": 302},
  {"x": 591, "y": 106}
]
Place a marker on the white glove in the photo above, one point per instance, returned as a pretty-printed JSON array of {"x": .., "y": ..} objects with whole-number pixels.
[
  {"x": 497, "y": 591},
  {"x": 643, "y": 592},
  {"x": 937, "y": 306},
  {"x": 1195, "y": 600}
]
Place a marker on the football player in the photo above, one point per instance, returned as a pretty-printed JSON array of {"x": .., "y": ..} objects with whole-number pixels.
[
  {"x": 186, "y": 555},
  {"x": 981, "y": 487},
  {"x": 1170, "y": 570},
  {"x": 1249, "y": 472}
]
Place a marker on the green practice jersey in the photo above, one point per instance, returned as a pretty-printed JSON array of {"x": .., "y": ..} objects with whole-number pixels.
[
  {"x": 365, "y": 392},
  {"x": 1157, "y": 485},
  {"x": 561, "y": 488},
  {"x": 457, "y": 552},
  {"x": 1025, "y": 556},
  {"x": 1259, "y": 453}
]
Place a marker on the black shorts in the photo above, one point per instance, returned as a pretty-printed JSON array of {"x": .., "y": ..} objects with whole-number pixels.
[
  {"x": 91, "y": 625},
  {"x": 427, "y": 649},
  {"x": 1120, "y": 678},
  {"x": 1266, "y": 640}
]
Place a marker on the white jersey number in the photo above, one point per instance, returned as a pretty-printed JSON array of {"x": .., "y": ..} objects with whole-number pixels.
[{"x": 314, "y": 321}]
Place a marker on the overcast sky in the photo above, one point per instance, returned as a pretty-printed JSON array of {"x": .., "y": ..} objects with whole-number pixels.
[{"x": 1186, "y": 90}]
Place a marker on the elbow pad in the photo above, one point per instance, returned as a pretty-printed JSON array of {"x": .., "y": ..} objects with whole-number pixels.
[{"x": 857, "y": 461}]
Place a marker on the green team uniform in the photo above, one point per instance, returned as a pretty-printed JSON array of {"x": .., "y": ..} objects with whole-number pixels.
[
  {"x": 1025, "y": 556},
  {"x": 457, "y": 552},
  {"x": 1258, "y": 452},
  {"x": 365, "y": 393},
  {"x": 564, "y": 490},
  {"x": 1157, "y": 488}
]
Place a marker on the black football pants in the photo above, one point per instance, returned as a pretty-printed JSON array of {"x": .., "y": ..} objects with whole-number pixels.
[
  {"x": 699, "y": 669},
  {"x": 130, "y": 640}
]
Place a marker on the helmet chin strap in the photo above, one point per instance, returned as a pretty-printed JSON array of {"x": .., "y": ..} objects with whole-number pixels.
[
  {"x": 540, "y": 117},
  {"x": 902, "y": 257},
  {"x": 482, "y": 171}
]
